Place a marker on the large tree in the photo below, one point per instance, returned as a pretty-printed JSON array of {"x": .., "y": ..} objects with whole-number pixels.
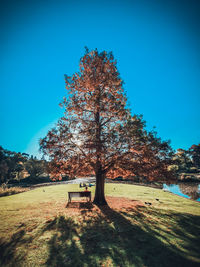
[
  {"x": 97, "y": 134},
  {"x": 194, "y": 152}
]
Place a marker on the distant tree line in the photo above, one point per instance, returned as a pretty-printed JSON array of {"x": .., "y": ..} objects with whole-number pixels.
[
  {"x": 187, "y": 161},
  {"x": 16, "y": 166}
]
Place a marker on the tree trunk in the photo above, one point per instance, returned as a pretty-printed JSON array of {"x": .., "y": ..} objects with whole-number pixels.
[{"x": 99, "y": 198}]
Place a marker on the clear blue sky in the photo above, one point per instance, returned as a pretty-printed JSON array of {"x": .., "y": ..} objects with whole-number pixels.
[{"x": 156, "y": 44}]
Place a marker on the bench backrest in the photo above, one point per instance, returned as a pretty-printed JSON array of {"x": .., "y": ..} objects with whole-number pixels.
[{"x": 80, "y": 194}]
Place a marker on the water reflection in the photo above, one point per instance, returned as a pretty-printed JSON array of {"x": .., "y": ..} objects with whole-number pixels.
[
  {"x": 191, "y": 190},
  {"x": 188, "y": 190}
]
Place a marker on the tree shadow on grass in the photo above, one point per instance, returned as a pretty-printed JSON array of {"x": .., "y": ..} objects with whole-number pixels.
[
  {"x": 130, "y": 237},
  {"x": 63, "y": 250},
  {"x": 111, "y": 238},
  {"x": 177, "y": 225},
  {"x": 183, "y": 227},
  {"x": 160, "y": 248},
  {"x": 135, "y": 244},
  {"x": 8, "y": 253}
]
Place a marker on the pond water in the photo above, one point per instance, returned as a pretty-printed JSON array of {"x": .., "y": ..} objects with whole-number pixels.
[{"x": 188, "y": 190}]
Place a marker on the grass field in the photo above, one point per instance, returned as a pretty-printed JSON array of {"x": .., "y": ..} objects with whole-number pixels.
[{"x": 37, "y": 229}]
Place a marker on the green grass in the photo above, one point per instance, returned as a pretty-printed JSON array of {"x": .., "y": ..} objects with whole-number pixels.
[{"x": 36, "y": 229}]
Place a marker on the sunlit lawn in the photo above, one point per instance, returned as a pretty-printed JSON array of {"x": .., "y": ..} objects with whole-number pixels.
[{"x": 37, "y": 229}]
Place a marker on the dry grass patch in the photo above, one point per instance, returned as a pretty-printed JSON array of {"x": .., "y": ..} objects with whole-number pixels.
[{"x": 4, "y": 191}]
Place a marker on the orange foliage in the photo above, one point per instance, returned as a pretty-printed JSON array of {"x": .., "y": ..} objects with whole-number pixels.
[{"x": 98, "y": 134}]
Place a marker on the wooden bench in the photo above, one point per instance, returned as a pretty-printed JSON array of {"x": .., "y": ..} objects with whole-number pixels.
[{"x": 79, "y": 194}]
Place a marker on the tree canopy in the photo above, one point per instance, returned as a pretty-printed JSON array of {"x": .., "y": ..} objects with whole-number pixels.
[
  {"x": 194, "y": 152},
  {"x": 98, "y": 134},
  {"x": 15, "y": 166}
]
